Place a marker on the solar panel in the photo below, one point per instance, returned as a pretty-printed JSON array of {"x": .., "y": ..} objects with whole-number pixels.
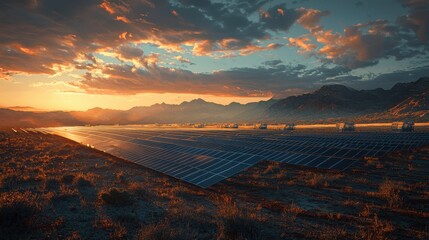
[{"x": 205, "y": 157}]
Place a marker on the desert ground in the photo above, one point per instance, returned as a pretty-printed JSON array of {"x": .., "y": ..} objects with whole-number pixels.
[{"x": 54, "y": 188}]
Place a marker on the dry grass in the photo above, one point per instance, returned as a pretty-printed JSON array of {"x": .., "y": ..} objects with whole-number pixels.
[
  {"x": 321, "y": 179},
  {"x": 390, "y": 190},
  {"x": 115, "y": 229},
  {"x": 235, "y": 223},
  {"x": 378, "y": 230},
  {"x": 52, "y": 188}
]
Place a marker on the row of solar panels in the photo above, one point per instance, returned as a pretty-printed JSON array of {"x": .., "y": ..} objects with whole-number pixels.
[
  {"x": 345, "y": 151},
  {"x": 354, "y": 137},
  {"x": 204, "y": 158},
  {"x": 263, "y": 153},
  {"x": 361, "y": 136},
  {"x": 201, "y": 167}
]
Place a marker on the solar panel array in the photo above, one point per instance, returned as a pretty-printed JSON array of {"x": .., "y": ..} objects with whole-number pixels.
[{"x": 205, "y": 157}]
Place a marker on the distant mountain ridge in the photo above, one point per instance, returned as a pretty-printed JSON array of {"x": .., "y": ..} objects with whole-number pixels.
[
  {"x": 338, "y": 101},
  {"x": 327, "y": 104},
  {"x": 196, "y": 110}
]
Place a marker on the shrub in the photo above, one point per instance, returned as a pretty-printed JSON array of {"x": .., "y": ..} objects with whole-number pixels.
[
  {"x": 83, "y": 180},
  {"x": 68, "y": 179},
  {"x": 66, "y": 193},
  {"x": 366, "y": 211},
  {"x": 233, "y": 223},
  {"x": 238, "y": 228},
  {"x": 290, "y": 213},
  {"x": 116, "y": 197},
  {"x": 120, "y": 177},
  {"x": 17, "y": 210},
  {"x": 390, "y": 190},
  {"x": 52, "y": 184}
]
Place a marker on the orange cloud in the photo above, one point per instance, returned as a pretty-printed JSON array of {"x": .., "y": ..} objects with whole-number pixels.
[
  {"x": 264, "y": 14},
  {"x": 229, "y": 47},
  {"x": 6, "y": 75},
  {"x": 202, "y": 48},
  {"x": 303, "y": 43},
  {"x": 228, "y": 42},
  {"x": 27, "y": 50},
  {"x": 151, "y": 59},
  {"x": 32, "y": 51},
  {"x": 310, "y": 17},
  {"x": 125, "y": 35},
  {"x": 123, "y": 19},
  {"x": 107, "y": 7},
  {"x": 250, "y": 49},
  {"x": 69, "y": 40}
]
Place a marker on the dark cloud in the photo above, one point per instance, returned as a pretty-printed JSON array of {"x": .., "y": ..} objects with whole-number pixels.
[
  {"x": 279, "y": 18},
  {"x": 388, "y": 80},
  {"x": 272, "y": 63},
  {"x": 130, "y": 52},
  {"x": 273, "y": 79},
  {"x": 418, "y": 18}
]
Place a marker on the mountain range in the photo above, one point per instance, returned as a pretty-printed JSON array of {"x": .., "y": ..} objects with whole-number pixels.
[{"x": 328, "y": 104}]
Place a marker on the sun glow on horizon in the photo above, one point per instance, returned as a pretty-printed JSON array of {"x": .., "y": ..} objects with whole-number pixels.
[{"x": 58, "y": 96}]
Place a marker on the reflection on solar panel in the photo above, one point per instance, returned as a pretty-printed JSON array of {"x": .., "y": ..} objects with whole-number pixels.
[{"x": 205, "y": 157}]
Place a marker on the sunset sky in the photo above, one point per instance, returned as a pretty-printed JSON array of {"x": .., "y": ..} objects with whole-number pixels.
[{"x": 80, "y": 54}]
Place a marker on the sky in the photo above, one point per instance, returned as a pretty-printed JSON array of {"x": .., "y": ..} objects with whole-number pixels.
[{"x": 81, "y": 54}]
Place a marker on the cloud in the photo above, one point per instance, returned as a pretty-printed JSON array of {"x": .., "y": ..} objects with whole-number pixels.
[
  {"x": 303, "y": 43},
  {"x": 129, "y": 52},
  {"x": 357, "y": 48},
  {"x": 250, "y": 49},
  {"x": 279, "y": 18},
  {"x": 271, "y": 79},
  {"x": 272, "y": 63},
  {"x": 230, "y": 48},
  {"x": 310, "y": 18},
  {"x": 417, "y": 19},
  {"x": 388, "y": 80},
  {"x": 360, "y": 45},
  {"x": 364, "y": 44},
  {"x": 39, "y": 36},
  {"x": 183, "y": 60},
  {"x": 51, "y": 36}
]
